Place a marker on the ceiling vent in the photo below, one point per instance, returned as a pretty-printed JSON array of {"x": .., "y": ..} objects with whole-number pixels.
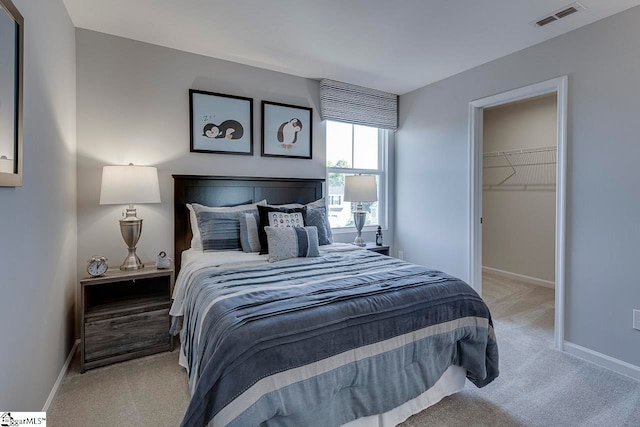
[
  {"x": 545, "y": 21},
  {"x": 558, "y": 14}
]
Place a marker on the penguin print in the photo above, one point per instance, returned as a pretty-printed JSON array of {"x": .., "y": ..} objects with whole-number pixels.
[
  {"x": 229, "y": 129},
  {"x": 288, "y": 133}
]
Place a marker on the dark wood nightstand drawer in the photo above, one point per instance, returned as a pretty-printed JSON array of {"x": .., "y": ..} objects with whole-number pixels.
[{"x": 126, "y": 334}]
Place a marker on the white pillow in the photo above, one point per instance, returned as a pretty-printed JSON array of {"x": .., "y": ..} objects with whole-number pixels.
[
  {"x": 196, "y": 241},
  {"x": 320, "y": 203}
]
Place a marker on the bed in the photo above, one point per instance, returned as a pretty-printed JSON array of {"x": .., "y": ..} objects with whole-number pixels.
[{"x": 350, "y": 337}]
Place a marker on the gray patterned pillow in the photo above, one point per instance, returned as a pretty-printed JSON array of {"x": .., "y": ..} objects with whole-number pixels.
[
  {"x": 292, "y": 242},
  {"x": 317, "y": 217}
]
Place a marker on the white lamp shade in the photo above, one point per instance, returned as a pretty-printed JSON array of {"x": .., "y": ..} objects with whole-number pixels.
[
  {"x": 360, "y": 188},
  {"x": 123, "y": 185}
]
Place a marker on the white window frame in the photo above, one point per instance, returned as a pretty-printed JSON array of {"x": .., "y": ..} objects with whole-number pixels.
[{"x": 383, "y": 181}]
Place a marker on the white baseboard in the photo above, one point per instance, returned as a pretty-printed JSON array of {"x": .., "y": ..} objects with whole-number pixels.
[
  {"x": 63, "y": 372},
  {"x": 522, "y": 277},
  {"x": 603, "y": 360}
]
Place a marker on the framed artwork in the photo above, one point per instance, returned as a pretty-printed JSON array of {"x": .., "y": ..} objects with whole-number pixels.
[
  {"x": 11, "y": 60},
  {"x": 220, "y": 123},
  {"x": 286, "y": 130}
]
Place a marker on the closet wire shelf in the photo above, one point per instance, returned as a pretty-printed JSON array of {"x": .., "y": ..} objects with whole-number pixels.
[{"x": 525, "y": 169}]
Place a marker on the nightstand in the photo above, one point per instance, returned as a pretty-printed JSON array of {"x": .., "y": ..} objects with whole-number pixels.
[
  {"x": 125, "y": 315},
  {"x": 371, "y": 246}
]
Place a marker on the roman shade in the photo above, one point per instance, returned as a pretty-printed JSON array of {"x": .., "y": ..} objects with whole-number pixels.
[{"x": 359, "y": 105}]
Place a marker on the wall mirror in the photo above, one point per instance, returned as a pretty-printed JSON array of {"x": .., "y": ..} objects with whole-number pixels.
[{"x": 11, "y": 51}]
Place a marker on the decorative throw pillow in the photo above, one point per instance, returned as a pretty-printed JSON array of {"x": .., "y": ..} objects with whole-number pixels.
[
  {"x": 196, "y": 242},
  {"x": 249, "y": 231},
  {"x": 264, "y": 221},
  {"x": 283, "y": 219},
  {"x": 219, "y": 230},
  {"x": 318, "y": 218},
  {"x": 292, "y": 242}
]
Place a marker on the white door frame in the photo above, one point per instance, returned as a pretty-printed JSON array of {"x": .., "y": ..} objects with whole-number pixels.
[{"x": 559, "y": 86}]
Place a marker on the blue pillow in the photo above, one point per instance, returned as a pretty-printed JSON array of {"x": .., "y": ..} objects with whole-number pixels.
[
  {"x": 317, "y": 217},
  {"x": 249, "y": 238}
]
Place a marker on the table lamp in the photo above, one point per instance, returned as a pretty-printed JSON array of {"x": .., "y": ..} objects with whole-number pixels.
[
  {"x": 126, "y": 185},
  {"x": 360, "y": 188}
]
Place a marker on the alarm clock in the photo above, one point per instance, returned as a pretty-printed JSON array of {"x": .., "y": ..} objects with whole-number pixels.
[{"x": 97, "y": 266}]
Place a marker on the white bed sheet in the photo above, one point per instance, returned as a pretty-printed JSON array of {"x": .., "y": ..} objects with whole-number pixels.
[{"x": 452, "y": 381}]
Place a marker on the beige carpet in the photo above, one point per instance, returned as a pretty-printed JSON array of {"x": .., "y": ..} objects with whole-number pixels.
[{"x": 538, "y": 386}]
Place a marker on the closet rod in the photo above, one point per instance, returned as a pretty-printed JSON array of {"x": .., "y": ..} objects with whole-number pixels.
[
  {"x": 522, "y": 151},
  {"x": 515, "y": 166}
]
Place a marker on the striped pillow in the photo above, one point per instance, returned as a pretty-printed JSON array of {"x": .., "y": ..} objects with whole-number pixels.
[
  {"x": 219, "y": 231},
  {"x": 249, "y": 231},
  {"x": 196, "y": 242},
  {"x": 292, "y": 242}
]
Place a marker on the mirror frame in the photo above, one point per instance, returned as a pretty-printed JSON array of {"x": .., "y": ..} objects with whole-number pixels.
[{"x": 15, "y": 179}]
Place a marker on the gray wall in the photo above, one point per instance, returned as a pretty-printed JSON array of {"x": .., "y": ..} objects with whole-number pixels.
[
  {"x": 38, "y": 226},
  {"x": 518, "y": 223},
  {"x": 7, "y": 89},
  {"x": 603, "y": 63},
  {"x": 133, "y": 106}
]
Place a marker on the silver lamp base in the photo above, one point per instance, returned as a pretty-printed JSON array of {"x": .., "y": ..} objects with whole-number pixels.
[
  {"x": 131, "y": 230},
  {"x": 359, "y": 218}
]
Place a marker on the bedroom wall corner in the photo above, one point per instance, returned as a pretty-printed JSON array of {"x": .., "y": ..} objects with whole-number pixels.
[{"x": 38, "y": 227}]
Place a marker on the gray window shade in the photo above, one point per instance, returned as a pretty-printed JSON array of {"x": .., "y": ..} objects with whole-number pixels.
[{"x": 359, "y": 105}]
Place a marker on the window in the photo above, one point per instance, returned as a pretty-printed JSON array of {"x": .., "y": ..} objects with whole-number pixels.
[{"x": 352, "y": 150}]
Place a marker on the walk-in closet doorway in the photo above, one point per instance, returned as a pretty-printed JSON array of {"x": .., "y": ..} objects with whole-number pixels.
[{"x": 526, "y": 174}]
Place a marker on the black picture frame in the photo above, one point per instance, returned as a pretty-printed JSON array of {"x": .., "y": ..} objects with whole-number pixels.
[
  {"x": 287, "y": 131},
  {"x": 218, "y": 123},
  {"x": 11, "y": 95}
]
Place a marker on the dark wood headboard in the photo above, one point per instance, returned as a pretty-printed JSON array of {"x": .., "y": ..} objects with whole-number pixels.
[{"x": 230, "y": 191}]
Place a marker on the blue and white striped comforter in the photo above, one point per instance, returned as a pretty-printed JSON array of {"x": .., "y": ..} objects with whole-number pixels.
[{"x": 323, "y": 341}]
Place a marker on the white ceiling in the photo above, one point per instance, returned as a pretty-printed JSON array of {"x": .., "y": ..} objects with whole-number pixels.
[{"x": 395, "y": 46}]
